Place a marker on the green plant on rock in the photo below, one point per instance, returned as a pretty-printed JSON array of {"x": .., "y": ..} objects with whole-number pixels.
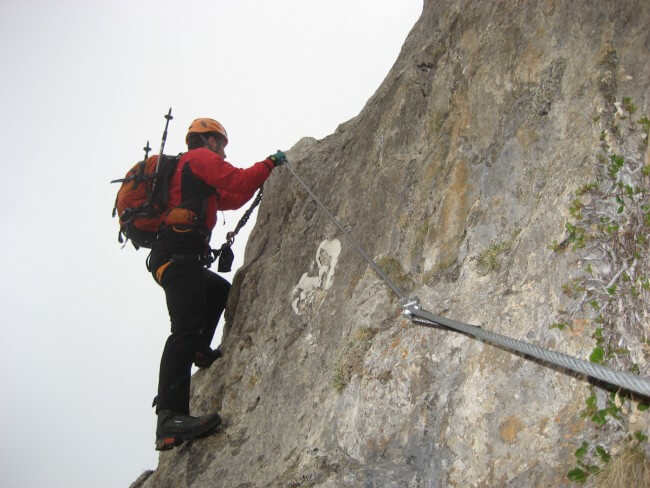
[
  {"x": 628, "y": 105},
  {"x": 609, "y": 230},
  {"x": 599, "y": 416},
  {"x": 596, "y": 460},
  {"x": 573, "y": 288},
  {"x": 616, "y": 163},
  {"x": 339, "y": 380},
  {"x": 574, "y": 209},
  {"x": 489, "y": 260},
  {"x": 587, "y": 188},
  {"x": 645, "y": 128},
  {"x": 577, "y": 236},
  {"x": 597, "y": 355},
  {"x": 560, "y": 325},
  {"x": 583, "y": 470}
]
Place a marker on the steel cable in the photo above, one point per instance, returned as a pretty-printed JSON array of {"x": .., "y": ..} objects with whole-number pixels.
[
  {"x": 632, "y": 382},
  {"x": 636, "y": 383}
]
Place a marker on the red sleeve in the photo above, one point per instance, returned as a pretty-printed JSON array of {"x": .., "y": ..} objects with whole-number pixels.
[
  {"x": 232, "y": 201},
  {"x": 235, "y": 185}
]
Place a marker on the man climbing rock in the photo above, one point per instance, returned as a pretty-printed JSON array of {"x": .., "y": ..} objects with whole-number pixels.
[{"x": 202, "y": 184}]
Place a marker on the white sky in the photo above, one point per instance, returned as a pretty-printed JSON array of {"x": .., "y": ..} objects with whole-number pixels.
[{"x": 84, "y": 84}]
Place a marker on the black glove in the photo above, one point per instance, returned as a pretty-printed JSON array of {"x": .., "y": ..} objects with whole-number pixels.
[{"x": 278, "y": 158}]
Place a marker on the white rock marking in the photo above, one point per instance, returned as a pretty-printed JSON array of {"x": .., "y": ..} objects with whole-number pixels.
[{"x": 327, "y": 257}]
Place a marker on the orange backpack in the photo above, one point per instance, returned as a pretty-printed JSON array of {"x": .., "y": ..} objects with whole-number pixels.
[{"x": 142, "y": 198}]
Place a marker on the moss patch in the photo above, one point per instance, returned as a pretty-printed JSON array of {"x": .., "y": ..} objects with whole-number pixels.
[
  {"x": 350, "y": 360},
  {"x": 394, "y": 270}
]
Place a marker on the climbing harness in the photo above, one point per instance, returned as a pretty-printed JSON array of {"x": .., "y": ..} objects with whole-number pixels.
[{"x": 413, "y": 311}]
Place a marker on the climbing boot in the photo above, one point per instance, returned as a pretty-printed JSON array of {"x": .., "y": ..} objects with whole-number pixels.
[
  {"x": 175, "y": 428},
  {"x": 204, "y": 359}
]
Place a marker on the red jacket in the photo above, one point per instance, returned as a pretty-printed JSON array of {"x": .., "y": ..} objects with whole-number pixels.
[{"x": 234, "y": 186}]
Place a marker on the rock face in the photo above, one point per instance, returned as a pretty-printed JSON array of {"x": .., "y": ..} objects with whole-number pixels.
[{"x": 485, "y": 176}]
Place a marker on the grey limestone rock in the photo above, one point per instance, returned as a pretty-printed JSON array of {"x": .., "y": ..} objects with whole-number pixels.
[{"x": 459, "y": 177}]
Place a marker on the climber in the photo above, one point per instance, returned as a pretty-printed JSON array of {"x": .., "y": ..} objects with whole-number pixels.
[{"x": 196, "y": 297}]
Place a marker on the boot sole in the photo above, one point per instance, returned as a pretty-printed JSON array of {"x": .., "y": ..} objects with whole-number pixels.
[{"x": 168, "y": 443}]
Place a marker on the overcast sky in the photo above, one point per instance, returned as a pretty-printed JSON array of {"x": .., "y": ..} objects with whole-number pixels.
[{"x": 84, "y": 84}]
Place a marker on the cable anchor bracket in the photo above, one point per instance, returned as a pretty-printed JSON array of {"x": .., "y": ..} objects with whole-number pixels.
[{"x": 409, "y": 305}]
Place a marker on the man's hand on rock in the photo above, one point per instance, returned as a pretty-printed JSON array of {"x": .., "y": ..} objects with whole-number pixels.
[{"x": 278, "y": 158}]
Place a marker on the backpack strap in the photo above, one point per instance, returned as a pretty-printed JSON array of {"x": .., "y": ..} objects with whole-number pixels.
[{"x": 195, "y": 193}]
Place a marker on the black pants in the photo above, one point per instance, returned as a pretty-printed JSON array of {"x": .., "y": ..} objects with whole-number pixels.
[{"x": 196, "y": 298}]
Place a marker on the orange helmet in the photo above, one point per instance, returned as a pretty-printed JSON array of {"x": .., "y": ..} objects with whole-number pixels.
[{"x": 204, "y": 125}]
